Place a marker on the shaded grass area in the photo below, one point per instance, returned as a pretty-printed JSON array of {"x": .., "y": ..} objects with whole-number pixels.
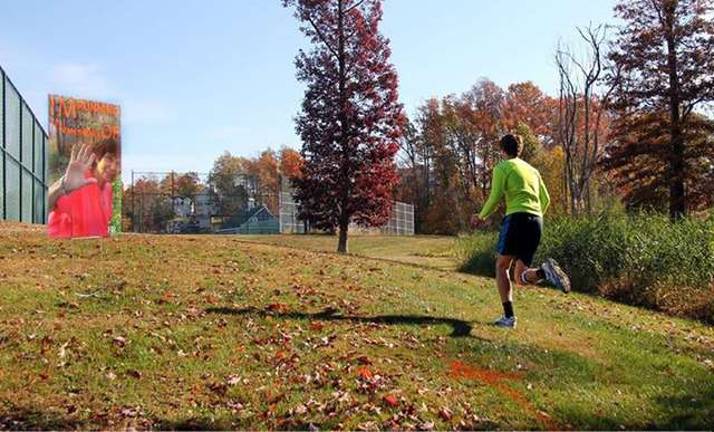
[{"x": 215, "y": 333}]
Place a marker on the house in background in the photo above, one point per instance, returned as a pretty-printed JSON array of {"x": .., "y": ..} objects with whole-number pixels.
[{"x": 252, "y": 220}]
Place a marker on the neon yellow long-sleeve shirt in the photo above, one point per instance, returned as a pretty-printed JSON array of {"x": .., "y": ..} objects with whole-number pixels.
[{"x": 522, "y": 186}]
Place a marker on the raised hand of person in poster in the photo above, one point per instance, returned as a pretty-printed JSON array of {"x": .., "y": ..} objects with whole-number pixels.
[{"x": 80, "y": 160}]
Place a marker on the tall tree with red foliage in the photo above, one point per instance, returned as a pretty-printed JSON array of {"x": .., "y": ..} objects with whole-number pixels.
[
  {"x": 351, "y": 121},
  {"x": 526, "y": 103},
  {"x": 664, "y": 53}
]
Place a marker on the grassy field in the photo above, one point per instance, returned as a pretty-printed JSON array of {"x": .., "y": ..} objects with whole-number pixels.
[{"x": 225, "y": 332}]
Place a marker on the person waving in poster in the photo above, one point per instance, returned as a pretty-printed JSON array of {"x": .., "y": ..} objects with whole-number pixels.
[{"x": 80, "y": 202}]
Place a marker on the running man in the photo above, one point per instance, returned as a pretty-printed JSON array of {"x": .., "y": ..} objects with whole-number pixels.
[{"x": 526, "y": 201}]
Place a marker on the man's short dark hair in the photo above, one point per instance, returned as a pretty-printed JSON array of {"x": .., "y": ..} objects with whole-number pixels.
[
  {"x": 512, "y": 145},
  {"x": 108, "y": 145}
]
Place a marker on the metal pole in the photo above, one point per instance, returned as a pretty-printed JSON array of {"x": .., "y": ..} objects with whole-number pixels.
[
  {"x": 2, "y": 143},
  {"x": 173, "y": 193},
  {"x": 133, "y": 209}
]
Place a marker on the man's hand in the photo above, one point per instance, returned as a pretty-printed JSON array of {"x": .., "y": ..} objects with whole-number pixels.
[
  {"x": 476, "y": 222},
  {"x": 81, "y": 159}
]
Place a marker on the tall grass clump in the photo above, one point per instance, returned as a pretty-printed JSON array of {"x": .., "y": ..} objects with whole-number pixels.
[{"x": 641, "y": 259}]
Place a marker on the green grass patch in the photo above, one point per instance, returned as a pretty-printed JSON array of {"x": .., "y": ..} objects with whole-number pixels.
[{"x": 177, "y": 332}]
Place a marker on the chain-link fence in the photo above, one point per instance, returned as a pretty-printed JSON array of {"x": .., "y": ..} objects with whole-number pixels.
[
  {"x": 23, "y": 158},
  {"x": 289, "y": 221},
  {"x": 187, "y": 203},
  {"x": 401, "y": 219}
]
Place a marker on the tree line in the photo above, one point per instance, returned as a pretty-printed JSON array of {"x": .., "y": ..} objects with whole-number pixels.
[{"x": 630, "y": 124}]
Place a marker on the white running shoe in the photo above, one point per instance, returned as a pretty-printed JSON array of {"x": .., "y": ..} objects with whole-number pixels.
[
  {"x": 555, "y": 275},
  {"x": 504, "y": 321}
]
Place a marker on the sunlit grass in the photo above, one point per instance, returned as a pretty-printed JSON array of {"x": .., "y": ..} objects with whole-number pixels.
[{"x": 217, "y": 333}]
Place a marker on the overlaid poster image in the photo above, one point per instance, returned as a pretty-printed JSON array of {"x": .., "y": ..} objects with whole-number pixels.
[{"x": 84, "y": 197}]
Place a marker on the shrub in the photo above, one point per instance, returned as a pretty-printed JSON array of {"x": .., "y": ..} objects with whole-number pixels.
[{"x": 641, "y": 259}]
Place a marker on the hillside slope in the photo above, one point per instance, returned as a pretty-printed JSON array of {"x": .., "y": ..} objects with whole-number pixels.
[{"x": 217, "y": 332}]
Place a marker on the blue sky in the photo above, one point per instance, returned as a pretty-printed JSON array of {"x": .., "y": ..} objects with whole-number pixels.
[{"x": 195, "y": 78}]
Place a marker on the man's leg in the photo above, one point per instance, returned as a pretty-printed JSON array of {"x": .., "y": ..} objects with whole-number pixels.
[
  {"x": 525, "y": 275},
  {"x": 550, "y": 271},
  {"x": 503, "y": 282}
]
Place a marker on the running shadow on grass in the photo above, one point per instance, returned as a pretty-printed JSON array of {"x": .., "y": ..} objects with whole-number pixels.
[
  {"x": 459, "y": 327},
  {"x": 25, "y": 418}
]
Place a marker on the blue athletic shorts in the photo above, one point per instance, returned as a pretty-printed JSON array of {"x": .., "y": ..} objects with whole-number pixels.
[{"x": 520, "y": 236}]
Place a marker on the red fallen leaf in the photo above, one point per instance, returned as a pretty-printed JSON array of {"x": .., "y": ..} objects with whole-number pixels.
[
  {"x": 391, "y": 400},
  {"x": 280, "y": 355},
  {"x": 364, "y": 373},
  {"x": 277, "y": 307},
  {"x": 317, "y": 326}
]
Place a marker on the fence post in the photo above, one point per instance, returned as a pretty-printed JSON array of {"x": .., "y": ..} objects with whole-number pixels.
[{"x": 133, "y": 208}]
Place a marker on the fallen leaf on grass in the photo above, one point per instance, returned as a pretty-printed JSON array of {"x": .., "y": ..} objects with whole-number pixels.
[
  {"x": 316, "y": 326},
  {"x": 364, "y": 373},
  {"x": 234, "y": 406},
  {"x": 63, "y": 350},
  {"x": 364, "y": 360},
  {"x": 219, "y": 388},
  {"x": 391, "y": 400},
  {"x": 277, "y": 307},
  {"x": 445, "y": 414},
  {"x": 233, "y": 380},
  {"x": 368, "y": 426},
  {"x": 300, "y": 409},
  {"x": 134, "y": 373}
]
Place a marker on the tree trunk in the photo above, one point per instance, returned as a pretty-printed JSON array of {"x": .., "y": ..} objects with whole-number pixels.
[
  {"x": 342, "y": 244},
  {"x": 677, "y": 204}
]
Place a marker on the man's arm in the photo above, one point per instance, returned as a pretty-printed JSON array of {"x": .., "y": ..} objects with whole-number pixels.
[
  {"x": 55, "y": 191},
  {"x": 498, "y": 186},
  {"x": 543, "y": 195}
]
